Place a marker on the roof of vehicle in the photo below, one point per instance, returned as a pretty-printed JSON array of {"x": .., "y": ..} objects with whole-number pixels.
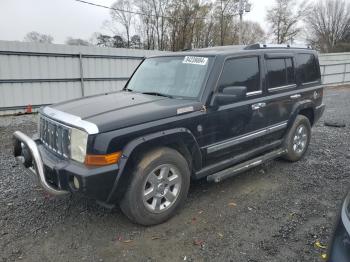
[{"x": 230, "y": 49}]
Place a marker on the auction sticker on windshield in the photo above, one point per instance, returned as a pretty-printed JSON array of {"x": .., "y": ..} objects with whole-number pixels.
[{"x": 195, "y": 60}]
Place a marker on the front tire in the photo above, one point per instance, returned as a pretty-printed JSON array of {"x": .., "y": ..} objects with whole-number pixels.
[
  {"x": 298, "y": 139},
  {"x": 159, "y": 186}
]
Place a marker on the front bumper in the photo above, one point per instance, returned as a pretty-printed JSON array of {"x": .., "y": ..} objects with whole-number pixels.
[
  {"x": 56, "y": 175},
  {"x": 339, "y": 250}
]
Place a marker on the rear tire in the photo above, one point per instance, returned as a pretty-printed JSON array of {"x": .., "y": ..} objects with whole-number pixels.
[
  {"x": 298, "y": 139},
  {"x": 159, "y": 186}
]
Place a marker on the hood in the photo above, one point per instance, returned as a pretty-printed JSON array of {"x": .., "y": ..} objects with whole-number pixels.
[{"x": 122, "y": 109}]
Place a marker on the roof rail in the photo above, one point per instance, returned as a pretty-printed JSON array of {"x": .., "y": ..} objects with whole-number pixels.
[{"x": 266, "y": 46}]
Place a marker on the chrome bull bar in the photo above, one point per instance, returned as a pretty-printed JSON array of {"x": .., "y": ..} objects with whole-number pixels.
[{"x": 38, "y": 167}]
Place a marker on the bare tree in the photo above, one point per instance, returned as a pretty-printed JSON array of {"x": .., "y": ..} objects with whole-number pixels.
[
  {"x": 283, "y": 18},
  {"x": 38, "y": 37},
  {"x": 76, "y": 41},
  {"x": 123, "y": 18},
  {"x": 177, "y": 24},
  {"x": 224, "y": 11},
  {"x": 328, "y": 24},
  {"x": 159, "y": 9},
  {"x": 185, "y": 25},
  {"x": 146, "y": 23},
  {"x": 202, "y": 28},
  {"x": 252, "y": 33}
]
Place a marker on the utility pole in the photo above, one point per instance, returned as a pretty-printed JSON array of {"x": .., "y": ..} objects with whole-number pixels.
[
  {"x": 242, "y": 6},
  {"x": 240, "y": 21}
]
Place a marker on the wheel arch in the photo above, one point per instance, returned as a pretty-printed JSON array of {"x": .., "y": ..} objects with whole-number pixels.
[
  {"x": 180, "y": 139},
  {"x": 309, "y": 113},
  {"x": 305, "y": 108}
]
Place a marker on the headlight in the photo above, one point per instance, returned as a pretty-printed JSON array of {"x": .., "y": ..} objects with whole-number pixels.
[{"x": 78, "y": 143}]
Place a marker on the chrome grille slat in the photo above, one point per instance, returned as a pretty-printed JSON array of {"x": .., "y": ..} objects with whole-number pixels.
[
  {"x": 55, "y": 136},
  {"x": 59, "y": 139}
]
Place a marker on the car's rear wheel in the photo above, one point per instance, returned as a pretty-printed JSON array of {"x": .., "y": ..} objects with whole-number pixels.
[
  {"x": 298, "y": 139},
  {"x": 159, "y": 186}
]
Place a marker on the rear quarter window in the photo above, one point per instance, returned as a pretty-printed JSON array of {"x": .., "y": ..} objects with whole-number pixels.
[{"x": 308, "y": 70}]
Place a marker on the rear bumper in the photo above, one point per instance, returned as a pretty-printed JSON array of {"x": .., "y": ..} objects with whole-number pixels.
[
  {"x": 339, "y": 250},
  {"x": 56, "y": 175}
]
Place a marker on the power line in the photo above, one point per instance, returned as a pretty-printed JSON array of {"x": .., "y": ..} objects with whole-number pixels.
[
  {"x": 153, "y": 15},
  {"x": 115, "y": 9}
]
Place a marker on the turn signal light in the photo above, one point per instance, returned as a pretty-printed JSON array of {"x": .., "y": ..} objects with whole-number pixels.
[{"x": 102, "y": 160}]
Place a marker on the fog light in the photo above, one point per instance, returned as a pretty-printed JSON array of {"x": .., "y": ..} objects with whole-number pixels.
[{"x": 76, "y": 183}]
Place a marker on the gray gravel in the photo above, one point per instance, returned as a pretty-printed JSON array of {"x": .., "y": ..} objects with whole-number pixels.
[{"x": 275, "y": 212}]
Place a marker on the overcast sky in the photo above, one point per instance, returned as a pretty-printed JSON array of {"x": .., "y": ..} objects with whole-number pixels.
[{"x": 64, "y": 18}]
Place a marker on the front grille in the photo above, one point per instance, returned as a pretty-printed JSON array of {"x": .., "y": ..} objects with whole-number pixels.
[{"x": 55, "y": 136}]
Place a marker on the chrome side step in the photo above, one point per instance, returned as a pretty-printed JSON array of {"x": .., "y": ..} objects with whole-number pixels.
[
  {"x": 234, "y": 170},
  {"x": 236, "y": 159}
]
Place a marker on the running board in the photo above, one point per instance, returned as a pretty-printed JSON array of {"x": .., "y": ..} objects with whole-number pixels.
[
  {"x": 236, "y": 159},
  {"x": 234, "y": 170}
]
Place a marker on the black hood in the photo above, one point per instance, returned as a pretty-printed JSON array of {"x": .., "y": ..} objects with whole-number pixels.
[{"x": 122, "y": 109}]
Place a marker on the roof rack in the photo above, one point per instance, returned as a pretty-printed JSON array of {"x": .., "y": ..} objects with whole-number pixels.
[
  {"x": 276, "y": 46},
  {"x": 219, "y": 48}
]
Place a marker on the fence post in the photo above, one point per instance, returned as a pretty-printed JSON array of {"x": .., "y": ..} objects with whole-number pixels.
[
  {"x": 81, "y": 74},
  {"x": 324, "y": 71}
]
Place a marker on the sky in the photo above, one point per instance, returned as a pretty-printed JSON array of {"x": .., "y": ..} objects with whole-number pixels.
[{"x": 68, "y": 18}]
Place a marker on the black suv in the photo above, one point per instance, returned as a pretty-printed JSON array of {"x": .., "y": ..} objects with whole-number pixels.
[{"x": 207, "y": 113}]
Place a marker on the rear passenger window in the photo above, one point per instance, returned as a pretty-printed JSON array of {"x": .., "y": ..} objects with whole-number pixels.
[
  {"x": 280, "y": 72},
  {"x": 241, "y": 72},
  {"x": 290, "y": 71},
  {"x": 308, "y": 70}
]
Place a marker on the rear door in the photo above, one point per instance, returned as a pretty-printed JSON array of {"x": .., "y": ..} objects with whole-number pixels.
[{"x": 280, "y": 82}]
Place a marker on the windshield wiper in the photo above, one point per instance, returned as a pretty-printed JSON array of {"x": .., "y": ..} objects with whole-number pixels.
[
  {"x": 128, "y": 89},
  {"x": 157, "y": 94}
]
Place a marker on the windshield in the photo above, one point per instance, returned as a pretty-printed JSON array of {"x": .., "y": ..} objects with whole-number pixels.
[{"x": 181, "y": 76}]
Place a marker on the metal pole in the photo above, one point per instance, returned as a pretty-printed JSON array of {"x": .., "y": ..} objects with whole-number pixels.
[
  {"x": 81, "y": 75},
  {"x": 324, "y": 72},
  {"x": 240, "y": 21}
]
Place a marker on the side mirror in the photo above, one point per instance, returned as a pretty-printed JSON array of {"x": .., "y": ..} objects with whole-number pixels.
[{"x": 230, "y": 94}]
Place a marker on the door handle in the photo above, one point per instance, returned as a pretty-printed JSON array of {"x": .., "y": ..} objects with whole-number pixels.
[
  {"x": 296, "y": 96},
  {"x": 258, "y": 106}
]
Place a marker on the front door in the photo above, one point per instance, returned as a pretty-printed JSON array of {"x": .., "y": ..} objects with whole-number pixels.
[{"x": 238, "y": 127}]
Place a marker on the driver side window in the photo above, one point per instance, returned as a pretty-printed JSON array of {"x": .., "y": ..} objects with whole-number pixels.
[{"x": 242, "y": 72}]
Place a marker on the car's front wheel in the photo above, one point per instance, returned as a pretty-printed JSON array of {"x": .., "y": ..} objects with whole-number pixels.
[{"x": 159, "y": 186}]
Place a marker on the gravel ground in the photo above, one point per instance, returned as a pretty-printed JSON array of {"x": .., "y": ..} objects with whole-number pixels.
[{"x": 275, "y": 212}]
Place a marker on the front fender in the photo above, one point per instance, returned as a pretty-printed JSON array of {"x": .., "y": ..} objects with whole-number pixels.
[{"x": 158, "y": 138}]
